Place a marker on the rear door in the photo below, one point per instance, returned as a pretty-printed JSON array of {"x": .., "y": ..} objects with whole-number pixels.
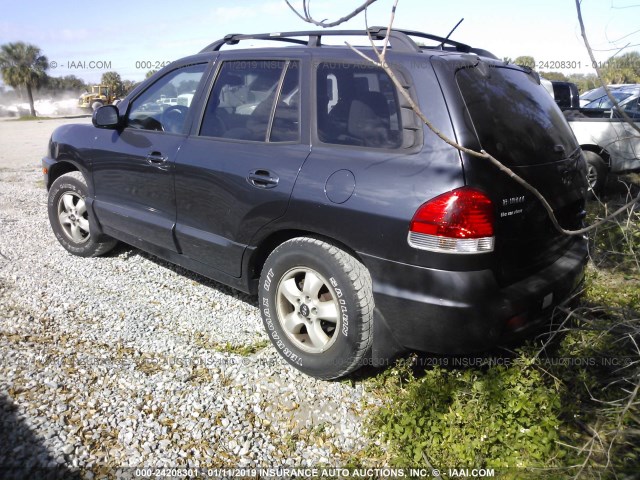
[
  {"x": 236, "y": 172},
  {"x": 133, "y": 168}
]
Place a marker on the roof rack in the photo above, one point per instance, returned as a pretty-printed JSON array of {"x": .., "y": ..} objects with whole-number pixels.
[{"x": 399, "y": 39}]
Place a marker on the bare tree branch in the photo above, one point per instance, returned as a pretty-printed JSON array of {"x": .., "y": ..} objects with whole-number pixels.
[
  {"x": 599, "y": 74},
  {"x": 381, "y": 62},
  {"x": 306, "y": 15}
]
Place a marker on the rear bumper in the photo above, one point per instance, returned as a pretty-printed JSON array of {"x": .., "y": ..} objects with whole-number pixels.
[{"x": 462, "y": 312}]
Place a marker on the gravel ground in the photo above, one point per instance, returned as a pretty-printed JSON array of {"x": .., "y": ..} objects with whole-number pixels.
[{"x": 126, "y": 360}]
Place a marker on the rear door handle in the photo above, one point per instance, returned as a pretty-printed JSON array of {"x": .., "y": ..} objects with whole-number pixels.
[
  {"x": 156, "y": 159},
  {"x": 262, "y": 178}
]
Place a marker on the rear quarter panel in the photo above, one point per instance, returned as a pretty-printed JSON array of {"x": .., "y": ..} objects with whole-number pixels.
[
  {"x": 388, "y": 185},
  {"x": 613, "y": 135}
]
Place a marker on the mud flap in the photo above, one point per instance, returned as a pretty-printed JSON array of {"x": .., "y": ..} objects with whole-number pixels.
[{"x": 385, "y": 348}]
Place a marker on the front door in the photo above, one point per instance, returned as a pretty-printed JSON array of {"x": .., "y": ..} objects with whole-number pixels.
[{"x": 133, "y": 171}]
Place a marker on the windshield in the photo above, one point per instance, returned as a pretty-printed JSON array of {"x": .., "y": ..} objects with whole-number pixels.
[
  {"x": 592, "y": 94},
  {"x": 605, "y": 101},
  {"x": 515, "y": 119}
]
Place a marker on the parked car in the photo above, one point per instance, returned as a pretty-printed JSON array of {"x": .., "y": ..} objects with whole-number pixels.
[
  {"x": 599, "y": 92},
  {"x": 611, "y": 145},
  {"x": 622, "y": 95},
  {"x": 566, "y": 94},
  {"x": 302, "y": 175}
]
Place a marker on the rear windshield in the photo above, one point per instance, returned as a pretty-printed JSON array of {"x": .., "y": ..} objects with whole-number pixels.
[{"x": 516, "y": 120}]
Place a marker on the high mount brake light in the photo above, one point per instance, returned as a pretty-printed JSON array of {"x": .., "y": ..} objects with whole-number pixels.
[{"x": 459, "y": 221}]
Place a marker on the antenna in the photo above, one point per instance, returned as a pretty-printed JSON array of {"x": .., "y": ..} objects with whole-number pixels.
[{"x": 452, "y": 30}]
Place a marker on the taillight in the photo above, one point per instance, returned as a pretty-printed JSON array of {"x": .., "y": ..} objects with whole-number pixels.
[{"x": 460, "y": 221}]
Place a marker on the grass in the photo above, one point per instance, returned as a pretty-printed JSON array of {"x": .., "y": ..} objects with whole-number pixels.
[
  {"x": 28, "y": 118},
  {"x": 561, "y": 406},
  {"x": 204, "y": 341},
  {"x": 242, "y": 350}
]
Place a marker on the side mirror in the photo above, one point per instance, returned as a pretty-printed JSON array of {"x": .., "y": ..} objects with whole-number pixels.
[{"x": 106, "y": 116}]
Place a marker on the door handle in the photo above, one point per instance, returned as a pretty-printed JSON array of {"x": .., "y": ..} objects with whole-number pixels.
[
  {"x": 157, "y": 159},
  {"x": 262, "y": 178}
]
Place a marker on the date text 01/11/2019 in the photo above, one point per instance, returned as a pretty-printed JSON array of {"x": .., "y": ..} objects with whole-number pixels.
[{"x": 576, "y": 65}]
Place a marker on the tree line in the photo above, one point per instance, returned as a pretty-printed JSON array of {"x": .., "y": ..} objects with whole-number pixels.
[
  {"x": 615, "y": 70},
  {"x": 24, "y": 68}
]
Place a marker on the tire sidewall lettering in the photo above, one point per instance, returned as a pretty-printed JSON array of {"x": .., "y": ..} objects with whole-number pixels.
[
  {"x": 268, "y": 279},
  {"x": 331, "y": 264},
  {"x": 344, "y": 310},
  {"x": 271, "y": 329}
]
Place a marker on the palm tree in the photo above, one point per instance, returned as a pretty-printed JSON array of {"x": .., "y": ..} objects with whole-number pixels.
[
  {"x": 113, "y": 82},
  {"x": 23, "y": 64}
]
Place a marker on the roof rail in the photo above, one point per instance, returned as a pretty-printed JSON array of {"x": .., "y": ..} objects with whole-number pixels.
[
  {"x": 400, "y": 39},
  {"x": 457, "y": 46}
]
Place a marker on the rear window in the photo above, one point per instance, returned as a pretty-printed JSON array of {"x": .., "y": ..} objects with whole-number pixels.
[{"x": 514, "y": 117}]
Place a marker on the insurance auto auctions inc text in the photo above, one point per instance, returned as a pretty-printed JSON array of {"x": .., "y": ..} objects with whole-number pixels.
[{"x": 341, "y": 473}]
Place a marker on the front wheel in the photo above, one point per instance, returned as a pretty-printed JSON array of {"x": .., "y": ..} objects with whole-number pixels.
[
  {"x": 317, "y": 306},
  {"x": 69, "y": 217}
]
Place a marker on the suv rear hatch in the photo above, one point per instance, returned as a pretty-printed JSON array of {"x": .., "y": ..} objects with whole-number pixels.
[{"x": 506, "y": 112}]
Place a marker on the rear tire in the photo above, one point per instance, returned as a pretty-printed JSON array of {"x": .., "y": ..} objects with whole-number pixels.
[
  {"x": 316, "y": 302},
  {"x": 596, "y": 172},
  {"x": 69, "y": 217}
]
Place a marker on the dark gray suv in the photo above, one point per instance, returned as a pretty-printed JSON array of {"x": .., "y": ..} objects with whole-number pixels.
[{"x": 302, "y": 175}]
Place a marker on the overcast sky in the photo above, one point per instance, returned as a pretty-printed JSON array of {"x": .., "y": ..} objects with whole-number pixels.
[{"x": 88, "y": 38}]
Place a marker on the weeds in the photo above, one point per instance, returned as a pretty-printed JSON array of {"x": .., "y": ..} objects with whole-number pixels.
[{"x": 565, "y": 405}]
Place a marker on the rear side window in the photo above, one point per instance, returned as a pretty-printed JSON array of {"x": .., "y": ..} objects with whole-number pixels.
[
  {"x": 255, "y": 101},
  {"x": 357, "y": 105},
  {"x": 632, "y": 109},
  {"x": 286, "y": 120}
]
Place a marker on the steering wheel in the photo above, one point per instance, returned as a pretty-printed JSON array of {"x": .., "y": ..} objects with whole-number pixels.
[{"x": 173, "y": 118}]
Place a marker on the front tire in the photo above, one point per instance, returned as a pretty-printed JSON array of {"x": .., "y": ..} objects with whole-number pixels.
[
  {"x": 317, "y": 307},
  {"x": 69, "y": 217}
]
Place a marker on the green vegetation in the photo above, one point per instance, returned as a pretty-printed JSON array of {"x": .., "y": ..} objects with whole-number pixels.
[
  {"x": 501, "y": 416},
  {"x": 28, "y": 118},
  {"x": 23, "y": 65},
  {"x": 113, "y": 82},
  {"x": 242, "y": 350},
  {"x": 205, "y": 341},
  {"x": 525, "y": 61},
  {"x": 68, "y": 83},
  {"x": 564, "y": 405},
  {"x": 622, "y": 69}
]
